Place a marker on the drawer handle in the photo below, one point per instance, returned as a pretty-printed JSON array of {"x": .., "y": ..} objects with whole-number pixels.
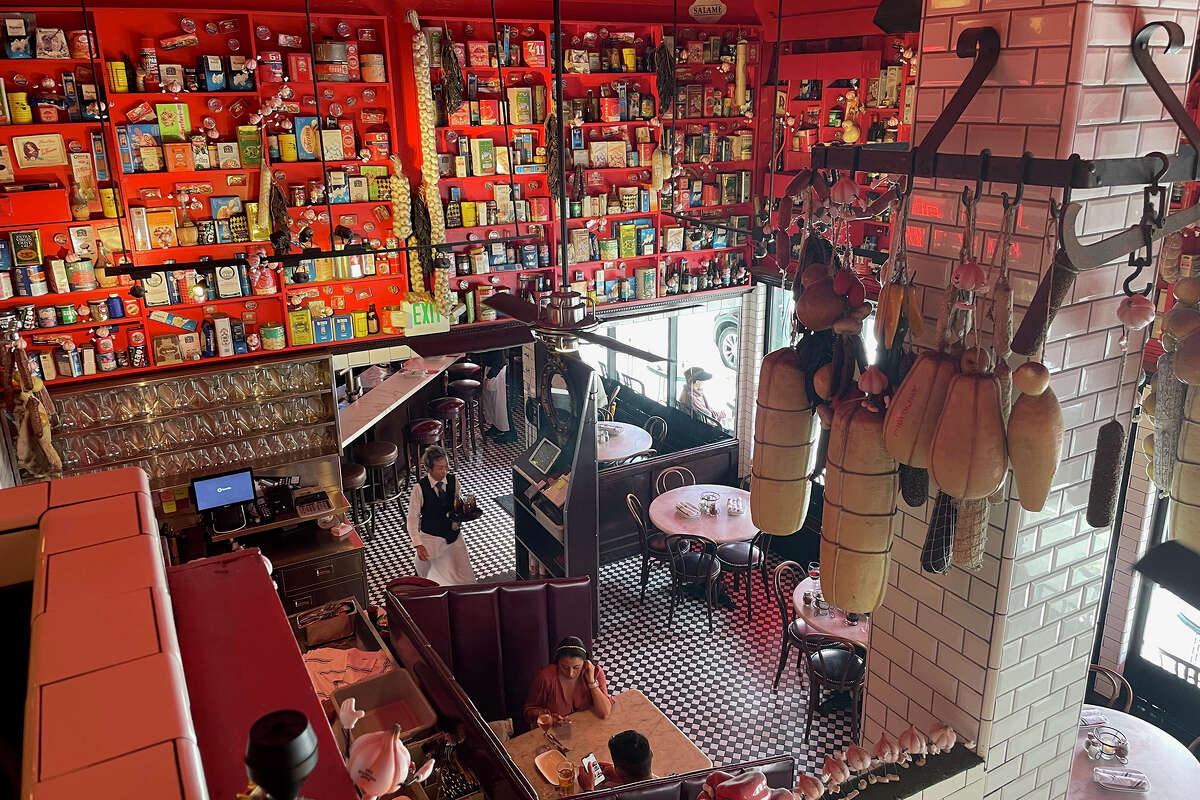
[
  {"x": 302, "y": 602},
  {"x": 322, "y": 571}
]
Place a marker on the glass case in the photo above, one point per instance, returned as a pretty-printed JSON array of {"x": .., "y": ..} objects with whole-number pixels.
[{"x": 179, "y": 427}]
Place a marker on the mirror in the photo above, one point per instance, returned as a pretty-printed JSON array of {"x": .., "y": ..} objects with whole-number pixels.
[{"x": 559, "y": 406}]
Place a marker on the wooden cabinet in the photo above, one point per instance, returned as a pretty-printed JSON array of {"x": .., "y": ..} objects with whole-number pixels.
[{"x": 311, "y": 568}]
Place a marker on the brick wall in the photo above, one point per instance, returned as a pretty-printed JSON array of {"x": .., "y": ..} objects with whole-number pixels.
[{"x": 1002, "y": 654}]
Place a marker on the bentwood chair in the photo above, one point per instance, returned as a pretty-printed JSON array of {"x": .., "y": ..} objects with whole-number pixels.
[
  {"x": 834, "y": 665},
  {"x": 1195, "y": 746},
  {"x": 657, "y": 428},
  {"x": 673, "y": 478},
  {"x": 1119, "y": 684},
  {"x": 742, "y": 559},
  {"x": 693, "y": 563},
  {"x": 652, "y": 543},
  {"x": 793, "y": 629}
]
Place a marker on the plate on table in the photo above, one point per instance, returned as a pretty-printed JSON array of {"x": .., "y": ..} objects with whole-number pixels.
[{"x": 548, "y": 764}]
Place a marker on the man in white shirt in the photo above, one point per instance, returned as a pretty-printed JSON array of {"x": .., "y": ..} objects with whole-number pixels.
[{"x": 441, "y": 553}]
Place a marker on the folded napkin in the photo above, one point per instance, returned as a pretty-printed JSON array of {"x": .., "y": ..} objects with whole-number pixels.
[
  {"x": 1130, "y": 779},
  {"x": 685, "y": 509},
  {"x": 1091, "y": 716}
]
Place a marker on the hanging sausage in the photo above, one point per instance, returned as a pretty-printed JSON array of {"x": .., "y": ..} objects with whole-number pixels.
[
  {"x": 1035, "y": 435},
  {"x": 783, "y": 428},
  {"x": 860, "y": 503},
  {"x": 969, "y": 457}
]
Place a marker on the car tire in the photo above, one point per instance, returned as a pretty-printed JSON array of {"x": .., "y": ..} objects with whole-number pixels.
[{"x": 727, "y": 346}]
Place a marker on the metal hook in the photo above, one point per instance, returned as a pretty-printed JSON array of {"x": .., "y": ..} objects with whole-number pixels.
[
  {"x": 1139, "y": 263},
  {"x": 985, "y": 158},
  {"x": 912, "y": 174},
  {"x": 1019, "y": 194},
  {"x": 854, "y": 162},
  {"x": 1166, "y": 165}
]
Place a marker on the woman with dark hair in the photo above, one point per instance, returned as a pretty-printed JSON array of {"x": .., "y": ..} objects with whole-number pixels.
[
  {"x": 572, "y": 683},
  {"x": 441, "y": 553}
]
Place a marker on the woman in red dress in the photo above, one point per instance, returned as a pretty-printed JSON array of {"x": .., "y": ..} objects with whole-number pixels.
[{"x": 572, "y": 683}]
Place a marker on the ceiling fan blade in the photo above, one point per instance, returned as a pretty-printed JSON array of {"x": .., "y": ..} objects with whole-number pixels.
[
  {"x": 515, "y": 307},
  {"x": 620, "y": 347}
]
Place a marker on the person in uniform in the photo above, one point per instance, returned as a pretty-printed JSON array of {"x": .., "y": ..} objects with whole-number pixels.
[{"x": 441, "y": 553}]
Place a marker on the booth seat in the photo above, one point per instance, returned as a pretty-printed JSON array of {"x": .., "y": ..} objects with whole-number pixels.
[{"x": 495, "y": 637}]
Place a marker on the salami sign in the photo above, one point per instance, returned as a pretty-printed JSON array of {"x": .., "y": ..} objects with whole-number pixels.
[{"x": 707, "y": 10}]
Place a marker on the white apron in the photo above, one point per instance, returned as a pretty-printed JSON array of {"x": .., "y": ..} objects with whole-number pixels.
[
  {"x": 448, "y": 564},
  {"x": 495, "y": 401}
]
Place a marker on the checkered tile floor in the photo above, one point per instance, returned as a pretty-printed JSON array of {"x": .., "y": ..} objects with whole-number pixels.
[{"x": 716, "y": 689}]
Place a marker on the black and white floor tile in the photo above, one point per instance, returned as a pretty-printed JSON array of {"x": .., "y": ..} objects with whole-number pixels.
[{"x": 716, "y": 689}]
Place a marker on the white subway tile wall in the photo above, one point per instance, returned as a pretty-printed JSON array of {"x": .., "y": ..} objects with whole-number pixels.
[{"x": 1002, "y": 654}]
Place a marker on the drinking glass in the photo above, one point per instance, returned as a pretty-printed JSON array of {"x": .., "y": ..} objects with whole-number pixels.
[
  {"x": 566, "y": 778},
  {"x": 105, "y": 408},
  {"x": 814, "y": 569},
  {"x": 241, "y": 387},
  {"x": 218, "y": 389},
  {"x": 129, "y": 403},
  {"x": 544, "y": 722},
  {"x": 240, "y": 419}
]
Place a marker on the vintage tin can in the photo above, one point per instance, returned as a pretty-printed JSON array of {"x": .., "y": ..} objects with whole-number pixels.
[
  {"x": 132, "y": 309},
  {"x": 108, "y": 202},
  {"x": 289, "y": 153},
  {"x": 30, "y": 281},
  {"x": 273, "y": 337},
  {"x": 27, "y": 316},
  {"x": 81, "y": 275},
  {"x": 116, "y": 309},
  {"x": 47, "y": 317},
  {"x": 373, "y": 70},
  {"x": 137, "y": 349},
  {"x": 105, "y": 345},
  {"x": 66, "y": 314},
  {"x": 122, "y": 359},
  {"x": 98, "y": 309},
  {"x": 330, "y": 50}
]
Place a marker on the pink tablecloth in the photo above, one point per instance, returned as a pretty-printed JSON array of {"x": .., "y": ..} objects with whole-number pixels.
[
  {"x": 1174, "y": 772},
  {"x": 833, "y": 623},
  {"x": 720, "y": 529}
]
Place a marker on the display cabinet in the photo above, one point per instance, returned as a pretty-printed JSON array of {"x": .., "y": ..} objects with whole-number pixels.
[{"x": 277, "y": 417}]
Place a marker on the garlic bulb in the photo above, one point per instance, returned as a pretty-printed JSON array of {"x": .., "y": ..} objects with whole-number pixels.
[
  {"x": 809, "y": 788},
  {"x": 401, "y": 201},
  {"x": 835, "y": 771},
  {"x": 427, "y": 119},
  {"x": 379, "y": 762},
  {"x": 942, "y": 739}
]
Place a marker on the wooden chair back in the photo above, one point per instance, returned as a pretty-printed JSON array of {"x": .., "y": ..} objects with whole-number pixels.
[
  {"x": 673, "y": 478},
  {"x": 1119, "y": 684}
]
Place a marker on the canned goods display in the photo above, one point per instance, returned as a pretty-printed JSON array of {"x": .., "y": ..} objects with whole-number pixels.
[
  {"x": 47, "y": 317},
  {"x": 132, "y": 309},
  {"x": 98, "y": 309},
  {"x": 116, "y": 308},
  {"x": 106, "y": 361},
  {"x": 105, "y": 345},
  {"x": 81, "y": 275}
]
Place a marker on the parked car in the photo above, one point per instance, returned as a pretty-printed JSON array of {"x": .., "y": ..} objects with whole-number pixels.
[{"x": 726, "y": 336}]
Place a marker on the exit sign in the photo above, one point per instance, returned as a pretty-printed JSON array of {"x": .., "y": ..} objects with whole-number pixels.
[{"x": 424, "y": 318}]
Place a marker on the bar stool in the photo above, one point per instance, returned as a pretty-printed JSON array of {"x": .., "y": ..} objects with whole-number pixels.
[
  {"x": 379, "y": 458},
  {"x": 460, "y": 370},
  {"x": 354, "y": 483},
  {"x": 419, "y": 434},
  {"x": 469, "y": 391},
  {"x": 452, "y": 413}
]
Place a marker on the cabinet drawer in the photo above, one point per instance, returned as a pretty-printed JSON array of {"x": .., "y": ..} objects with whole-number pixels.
[
  {"x": 319, "y": 571},
  {"x": 297, "y": 601}
]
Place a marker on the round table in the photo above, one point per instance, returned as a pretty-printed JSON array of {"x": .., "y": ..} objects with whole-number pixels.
[
  {"x": 833, "y": 623},
  {"x": 625, "y": 440},
  {"x": 720, "y": 529},
  {"x": 1173, "y": 772}
]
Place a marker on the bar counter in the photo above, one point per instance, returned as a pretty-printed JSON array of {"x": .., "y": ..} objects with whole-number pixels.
[{"x": 358, "y": 417}]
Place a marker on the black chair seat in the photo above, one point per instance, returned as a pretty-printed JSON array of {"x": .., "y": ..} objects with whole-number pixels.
[
  {"x": 835, "y": 666},
  {"x": 798, "y": 630},
  {"x": 739, "y": 554},
  {"x": 691, "y": 566}
]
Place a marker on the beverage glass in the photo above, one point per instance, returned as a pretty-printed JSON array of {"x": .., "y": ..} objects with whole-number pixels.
[
  {"x": 544, "y": 722},
  {"x": 814, "y": 569},
  {"x": 566, "y": 777}
]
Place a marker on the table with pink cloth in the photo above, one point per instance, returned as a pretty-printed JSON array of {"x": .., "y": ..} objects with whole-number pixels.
[
  {"x": 1173, "y": 772},
  {"x": 721, "y": 529}
]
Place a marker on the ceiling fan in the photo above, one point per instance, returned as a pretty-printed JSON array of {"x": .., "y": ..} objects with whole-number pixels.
[{"x": 561, "y": 320}]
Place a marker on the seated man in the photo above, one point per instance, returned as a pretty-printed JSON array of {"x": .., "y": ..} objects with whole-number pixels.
[{"x": 631, "y": 762}]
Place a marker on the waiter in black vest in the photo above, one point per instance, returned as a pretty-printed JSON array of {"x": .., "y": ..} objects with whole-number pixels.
[{"x": 441, "y": 553}]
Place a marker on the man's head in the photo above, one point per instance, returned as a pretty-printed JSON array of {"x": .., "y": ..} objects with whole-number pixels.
[{"x": 631, "y": 755}]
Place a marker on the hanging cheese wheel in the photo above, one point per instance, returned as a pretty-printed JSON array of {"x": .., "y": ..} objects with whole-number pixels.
[
  {"x": 969, "y": 456},
  {"x": 913, "y": 413},
  {"x": 1184, "y": 519},
  {"x": 860, "y": 504},
  {"x": 1035, "y": 435},
  {"x": 783, "y": 427}
]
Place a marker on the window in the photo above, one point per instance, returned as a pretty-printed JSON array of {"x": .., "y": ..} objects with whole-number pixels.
[
  {"x": 709, "y": 339},
  {"x": 779, "y": 317},
  {"x": 646, "y": 378}
]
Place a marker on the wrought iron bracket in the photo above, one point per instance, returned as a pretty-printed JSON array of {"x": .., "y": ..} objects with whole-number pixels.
[{"x": 982, "y": 44}]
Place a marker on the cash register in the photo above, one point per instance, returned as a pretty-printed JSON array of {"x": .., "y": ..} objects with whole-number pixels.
[{"x": 221, "y": 499}]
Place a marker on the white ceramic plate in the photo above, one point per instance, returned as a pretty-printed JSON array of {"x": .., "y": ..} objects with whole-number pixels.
[{"x": 547, "y": 764}]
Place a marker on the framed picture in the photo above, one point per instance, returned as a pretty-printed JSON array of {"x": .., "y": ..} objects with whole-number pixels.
[{"x": 39, "y": 150}]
